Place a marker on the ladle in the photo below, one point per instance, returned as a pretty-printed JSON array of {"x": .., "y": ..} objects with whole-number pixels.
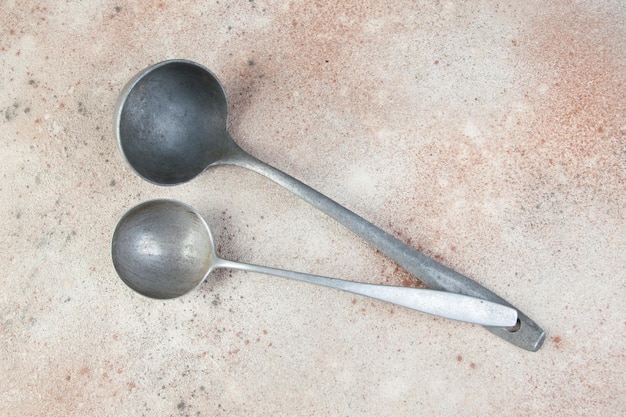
[
  {"x": 171, "y": 124},
  {"x": 164, "y": 249}
]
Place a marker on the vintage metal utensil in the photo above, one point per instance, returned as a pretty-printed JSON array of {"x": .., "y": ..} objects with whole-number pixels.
[
  {"x": 171, "y": 124},
  {"x": 164, "y": 249}
]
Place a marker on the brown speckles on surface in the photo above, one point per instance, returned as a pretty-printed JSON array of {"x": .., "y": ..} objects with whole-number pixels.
[
  {"x": 556, "y": 341},
  {"x": 399, "y": 277},
  {"x": 576, "y": 86}
]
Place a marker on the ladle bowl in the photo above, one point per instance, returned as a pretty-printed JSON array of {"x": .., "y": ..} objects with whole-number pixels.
[
  {"x": 171, "y": 124},
  {"x": 164, "y": 249}
]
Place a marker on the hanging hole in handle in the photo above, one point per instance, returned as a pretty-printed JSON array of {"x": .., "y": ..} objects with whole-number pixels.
[{"x": 515, "y": 328}]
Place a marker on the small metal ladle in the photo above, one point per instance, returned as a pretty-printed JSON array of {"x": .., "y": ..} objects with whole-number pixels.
[{"x": 164, "y": 249}]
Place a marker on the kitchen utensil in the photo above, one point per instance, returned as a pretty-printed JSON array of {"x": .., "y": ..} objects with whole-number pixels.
[
  {"x": 171, "y": 124},
  {"x": 164, "y": 249}
]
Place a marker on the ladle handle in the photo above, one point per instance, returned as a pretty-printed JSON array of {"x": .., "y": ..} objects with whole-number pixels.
[
  {"x": 439, "y": 303},
  {"x": 526, "y": 334}
]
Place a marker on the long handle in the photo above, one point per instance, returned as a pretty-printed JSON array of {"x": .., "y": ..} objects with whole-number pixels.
[
  {"x": 526, "y": 334},
  {"x": 439, "y": 303}
]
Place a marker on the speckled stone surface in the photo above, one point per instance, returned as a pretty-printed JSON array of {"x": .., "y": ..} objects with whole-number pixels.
[{"x": 490, "y": 135}]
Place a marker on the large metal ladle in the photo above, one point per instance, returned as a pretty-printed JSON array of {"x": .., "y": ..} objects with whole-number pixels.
[
  {"x": 171, "y": 124},
  {"x": 164, "y": 249}
]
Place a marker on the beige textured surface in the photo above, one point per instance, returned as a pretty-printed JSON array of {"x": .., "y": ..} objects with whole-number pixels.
[{"x": 491, "y": 135}]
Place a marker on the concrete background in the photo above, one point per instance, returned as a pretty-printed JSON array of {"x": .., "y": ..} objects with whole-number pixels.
[{"x": 490, "y": 135}]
